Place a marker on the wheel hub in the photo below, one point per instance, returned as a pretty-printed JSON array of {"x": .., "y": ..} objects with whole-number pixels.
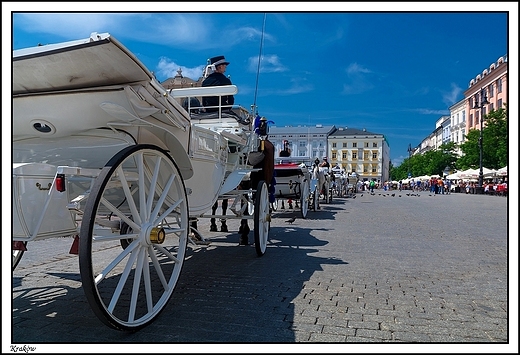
[{"x": 157, "y": 235}]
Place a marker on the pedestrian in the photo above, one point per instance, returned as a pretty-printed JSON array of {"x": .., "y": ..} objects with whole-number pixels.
[
  {"x": 371, "y": 185},
  {"x": 440, "y": 186},
  {"x": 325, "y": 163}
]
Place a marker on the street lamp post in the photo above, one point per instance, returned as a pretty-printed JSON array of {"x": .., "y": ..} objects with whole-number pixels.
[
  {"x": 480, "y": 105},
  {"x": 410, "y": 151}
]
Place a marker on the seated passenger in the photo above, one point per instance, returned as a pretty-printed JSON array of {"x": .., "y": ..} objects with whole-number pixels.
[{"x": 286, "y": 151}]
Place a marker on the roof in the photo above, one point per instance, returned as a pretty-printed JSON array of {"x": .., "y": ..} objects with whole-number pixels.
[
  {"x": 317, "y": 129},
  {"x": 341, "y": 131}
]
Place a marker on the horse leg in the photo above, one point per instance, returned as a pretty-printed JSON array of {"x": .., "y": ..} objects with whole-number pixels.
[
  {"x": 223, "y": 227},
  {"x": 244, "y": 229},
  {"x": 213, "y": 226}
]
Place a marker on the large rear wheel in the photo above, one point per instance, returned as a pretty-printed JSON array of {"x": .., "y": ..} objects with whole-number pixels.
[
  {"x": 139, "y": 202},
  {"x": 262, "y": 218}
]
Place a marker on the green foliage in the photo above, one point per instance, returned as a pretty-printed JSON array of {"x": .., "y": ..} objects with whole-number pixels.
[
  {"x": 495, "y": 141},
  {"x": 494, "y": 149}
]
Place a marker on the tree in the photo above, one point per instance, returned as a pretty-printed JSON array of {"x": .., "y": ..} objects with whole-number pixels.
[
  {"x": 432, "y": 162},
  {"x": 494, "y": 143}
]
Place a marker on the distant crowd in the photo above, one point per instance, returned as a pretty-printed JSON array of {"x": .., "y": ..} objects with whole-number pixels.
[{"x": 440, "y": 186}]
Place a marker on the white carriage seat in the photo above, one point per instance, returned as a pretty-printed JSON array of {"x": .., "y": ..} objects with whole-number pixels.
[{"x": 228, "y": 113}]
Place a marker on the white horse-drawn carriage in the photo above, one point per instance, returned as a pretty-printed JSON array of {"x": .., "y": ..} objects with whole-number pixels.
[
  {"x": 294, "y": 184},
  {"x": 102, "y": 152}
]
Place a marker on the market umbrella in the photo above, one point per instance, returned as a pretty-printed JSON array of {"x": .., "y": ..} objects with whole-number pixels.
[
  {"x": 502, "y": 171},
  {"x": 468, "y": 173},
  {"x": 454, "y": 176}
]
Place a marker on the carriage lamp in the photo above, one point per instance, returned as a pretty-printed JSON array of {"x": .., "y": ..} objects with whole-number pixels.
[{"x": 59, "y": 182}]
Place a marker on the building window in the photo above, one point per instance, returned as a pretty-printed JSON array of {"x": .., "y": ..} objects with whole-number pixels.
[
  {"x": 353, "y": 169},
  {"x": 463, "y": 116},
  {"x": 499, "y": 103},
  {"x": 366, "y": 155},
  {"x": 374, "y": 155},
  {"x": 374, "y": 145},
  {"x": 354, "y": 155},
  {"x": 491, "y": 107},
  {"x": 333, "y": 145},
  {"x": 302, "y": 144},
  {"x": 365, "y": 169},
  {"x": 477, "y": 118},
  {"x": 344, "y": 144},
  {"x": 374, "y": 170},
  {"x": 334, "y": 155},
  {"x": 344, "y": 155},
  {"x": 491, "y": 90},
  {"x": 366, "y": 144},
  {"x": 470, "y": 120},
  {"x": 499, "y": 85},
  {"x": 354, "y": 145}
]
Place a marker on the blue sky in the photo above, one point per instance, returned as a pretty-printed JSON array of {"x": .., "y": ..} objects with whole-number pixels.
[{"x": 394, "y": 73}]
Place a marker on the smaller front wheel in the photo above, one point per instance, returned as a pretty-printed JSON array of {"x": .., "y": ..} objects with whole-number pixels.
[{"x": 304, "y": 198}]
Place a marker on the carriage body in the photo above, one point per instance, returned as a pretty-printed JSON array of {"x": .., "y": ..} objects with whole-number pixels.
[
  {"x": 294, "y": 183},
  {"x": 101, "y": 151}
]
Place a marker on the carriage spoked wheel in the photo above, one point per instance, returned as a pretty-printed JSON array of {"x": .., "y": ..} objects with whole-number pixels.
[
  {"x": 133, "y": 237},
  {"x": 304, "y": 198},
  {"x": 262, "y": 218}
]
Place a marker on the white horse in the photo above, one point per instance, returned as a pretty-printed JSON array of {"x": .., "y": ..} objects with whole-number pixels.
[
  {"x": 340, "y": 181},
  {"x": 321, "y": 174}
]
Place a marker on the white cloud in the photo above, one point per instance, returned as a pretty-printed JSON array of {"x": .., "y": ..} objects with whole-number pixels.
[
  {"x": 168, "y": 69},
  {"x": 428, "y": 111},
  {"x": 359, "y": 82},
  {"x": 355, "y": 69},
  {"x": 452, "y": 96},
  {"x": 268, "y": 64}
]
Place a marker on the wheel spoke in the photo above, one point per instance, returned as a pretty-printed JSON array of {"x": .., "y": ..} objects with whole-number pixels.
[
  {"x": 122, "y": 281},
  {"x": 153, "y": 184},
  {"x": 136, "y": 284},
  {"x": 134, "y": 225},
  {"x": 163, "y": 196},
  {"x": 128, "y": 195},
  {"x": 101, "y": 276},
  {"x": 142, "y": 191}
]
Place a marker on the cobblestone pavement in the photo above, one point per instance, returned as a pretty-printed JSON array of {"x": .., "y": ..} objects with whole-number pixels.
[{"x": 429, "y": 272}]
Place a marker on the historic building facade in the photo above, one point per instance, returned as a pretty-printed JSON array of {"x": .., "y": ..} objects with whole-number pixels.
[
  {"x": 359, "y": 151},
  {"x": 306, "y": 143},
  {"x": 458, "y": 124}
]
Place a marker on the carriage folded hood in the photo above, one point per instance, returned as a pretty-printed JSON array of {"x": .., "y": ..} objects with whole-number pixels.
[{"x": 97, "y": 61}]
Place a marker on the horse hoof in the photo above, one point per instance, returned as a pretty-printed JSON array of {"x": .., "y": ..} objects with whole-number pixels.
[{"x": 213, "y": 228}]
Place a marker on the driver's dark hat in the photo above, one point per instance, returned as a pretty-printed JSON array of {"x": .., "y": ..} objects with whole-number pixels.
[{"x": 218, "y": 60}]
